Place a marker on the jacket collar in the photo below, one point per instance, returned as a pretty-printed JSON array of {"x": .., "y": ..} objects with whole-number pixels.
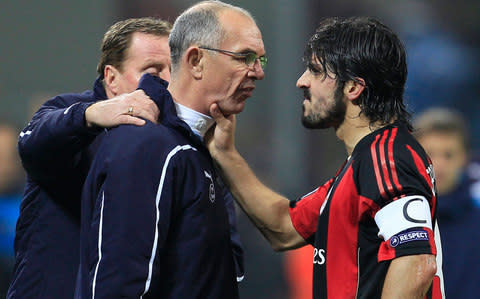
[
  {"x": 156, "y": 89},
  {"x": 99, "y": 90}
]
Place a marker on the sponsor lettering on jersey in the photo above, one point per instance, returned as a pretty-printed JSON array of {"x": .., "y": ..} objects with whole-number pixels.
[{"x": 319, "y": 256}]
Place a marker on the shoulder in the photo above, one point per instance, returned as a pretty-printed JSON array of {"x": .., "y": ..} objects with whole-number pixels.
[
  {"x": 151, "y": 135},
  {"x": 67, "y": 99},
  {"x": 393, "y": 161},
  {"x": 149, "y": 142},
  {"x": 390, "y": 147}
]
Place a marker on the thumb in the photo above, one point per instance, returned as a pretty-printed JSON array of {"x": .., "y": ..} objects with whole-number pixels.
[{"x": 216, "y": 113}]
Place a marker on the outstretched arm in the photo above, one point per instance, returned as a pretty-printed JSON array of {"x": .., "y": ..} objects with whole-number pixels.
[
  {"x": 268, "y": 210},
  {"x": 65, "y": 125}
]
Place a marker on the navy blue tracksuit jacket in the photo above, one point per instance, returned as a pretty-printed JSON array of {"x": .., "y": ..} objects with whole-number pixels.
[
  {"x": 48, "y": 228},
  {"x": 52, "y": 148},
  {"x": 154, "y": 224}
]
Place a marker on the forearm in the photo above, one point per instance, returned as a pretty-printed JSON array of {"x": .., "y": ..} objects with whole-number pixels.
[
  {"x": 53, "y": 136},
  {"x": 268, "y": 210},
  {"x": 409, "y": 277}
]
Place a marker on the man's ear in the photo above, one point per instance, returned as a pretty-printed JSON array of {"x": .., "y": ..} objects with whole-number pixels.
[
  {"x": 194, "y": 59},
  {"x": 110, "y": 78},
  {"x": 353, "y": 89}
]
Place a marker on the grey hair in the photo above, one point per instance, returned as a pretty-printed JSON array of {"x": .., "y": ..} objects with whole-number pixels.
[{"x": 198, "y": 25}]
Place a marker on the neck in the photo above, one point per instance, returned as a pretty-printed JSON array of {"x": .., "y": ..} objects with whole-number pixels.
[
  {"x": 199, "y": 123},
  {"x": 354, "y": 128},
  {"x": 188, "y": 95}
]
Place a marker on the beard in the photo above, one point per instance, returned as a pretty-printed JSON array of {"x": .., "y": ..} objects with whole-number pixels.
[{"x": 334, "y": 117}]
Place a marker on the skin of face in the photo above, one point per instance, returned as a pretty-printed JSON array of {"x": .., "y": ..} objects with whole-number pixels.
[
  {"x": 449, "y": 158},
  {"x": 229, "y": 81},
  {"x": 147, "y": 53},
  {"x": 323, "y": 105}
]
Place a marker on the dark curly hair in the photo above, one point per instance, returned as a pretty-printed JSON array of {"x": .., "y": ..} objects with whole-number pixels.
[{"x": 363, "y": 47}]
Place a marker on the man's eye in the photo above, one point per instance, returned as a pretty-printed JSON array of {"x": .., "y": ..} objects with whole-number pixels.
[
  {"x": 240, "y": 58},
  {"x": 313, "y": 68},
  {"x": 154, "y": 71},
  {"x": 250, "y": 58}
]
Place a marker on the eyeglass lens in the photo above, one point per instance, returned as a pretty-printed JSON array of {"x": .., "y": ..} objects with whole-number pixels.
[{"x": 252, "y": 57}]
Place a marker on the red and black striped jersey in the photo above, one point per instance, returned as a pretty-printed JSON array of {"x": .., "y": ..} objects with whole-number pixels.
[{"x": 381, "y": 205}]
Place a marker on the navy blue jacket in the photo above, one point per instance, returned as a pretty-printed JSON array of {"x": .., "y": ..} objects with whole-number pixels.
[
  {"x": 48, "y": 228},
  {"x": 459, "y": 222},
  {"x": 154, "y": 223},
  {"x": 52, "y": 149}
]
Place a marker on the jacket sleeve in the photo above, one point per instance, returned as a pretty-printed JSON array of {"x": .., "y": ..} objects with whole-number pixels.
[
  {"x": 52, "y": 139},
  {"x": 134, "y": 210}
]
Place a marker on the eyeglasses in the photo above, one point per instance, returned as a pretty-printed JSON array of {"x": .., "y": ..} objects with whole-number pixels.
[{"x": 248, "y": 58}]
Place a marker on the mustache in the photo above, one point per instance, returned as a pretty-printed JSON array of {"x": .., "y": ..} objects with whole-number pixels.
[{"x": 306, "y": 93}]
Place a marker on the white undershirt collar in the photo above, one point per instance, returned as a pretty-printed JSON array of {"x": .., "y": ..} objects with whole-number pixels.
[{"x": 198, "y": 122}]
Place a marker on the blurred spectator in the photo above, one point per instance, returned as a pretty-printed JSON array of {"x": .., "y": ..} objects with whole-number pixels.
[
  {"x": 445, "y": 138},
  {"x": 11, "y": 183}
]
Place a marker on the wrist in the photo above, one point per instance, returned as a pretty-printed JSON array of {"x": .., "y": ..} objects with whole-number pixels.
[
  {"x": 227, "y": 156},
  {"x": 87, "y": 117}
]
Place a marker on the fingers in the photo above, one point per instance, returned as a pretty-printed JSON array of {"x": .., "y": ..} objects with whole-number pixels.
[
  {"x": 217, "y": 114},
  {"x": 209, "y": 134},
  {"x": 143, "y": 106},
  {"x": 130, "y": 120},
  {"x": 223, "y": 122},
  {"x": 132, "y": 108}
]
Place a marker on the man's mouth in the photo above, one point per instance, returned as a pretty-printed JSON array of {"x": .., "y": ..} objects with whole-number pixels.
[
  {"x": 306, "y": 94},
  {"x": 248, "y": 90}
]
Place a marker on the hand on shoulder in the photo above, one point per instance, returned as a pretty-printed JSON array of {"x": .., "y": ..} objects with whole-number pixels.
[{"x": 131, "y": 108}]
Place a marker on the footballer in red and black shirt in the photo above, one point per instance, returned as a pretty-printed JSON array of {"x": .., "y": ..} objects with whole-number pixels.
[
  {"x": 373, "y": 226},
  {"x": 380, "y": 206}
]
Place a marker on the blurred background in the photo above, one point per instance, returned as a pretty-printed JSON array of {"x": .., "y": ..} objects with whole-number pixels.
[{"x": 52, "y": 46}]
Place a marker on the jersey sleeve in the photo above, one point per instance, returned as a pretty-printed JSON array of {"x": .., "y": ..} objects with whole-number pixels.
[
  {"x": 57, "y": 132},
  {"x": 305, "y": 211},
  {"x": 134, "y": 211},
  {"x": 398, "y": 179}
]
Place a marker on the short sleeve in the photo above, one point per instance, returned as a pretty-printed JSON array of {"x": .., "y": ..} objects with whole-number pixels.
[{"x": 305, "y": 211}]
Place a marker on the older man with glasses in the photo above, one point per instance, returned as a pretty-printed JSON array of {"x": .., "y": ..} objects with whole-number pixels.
[{"x": 154, "y": 223}]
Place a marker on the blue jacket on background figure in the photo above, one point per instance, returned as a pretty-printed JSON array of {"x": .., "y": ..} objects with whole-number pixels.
[{"x": 459, "y": 221}]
